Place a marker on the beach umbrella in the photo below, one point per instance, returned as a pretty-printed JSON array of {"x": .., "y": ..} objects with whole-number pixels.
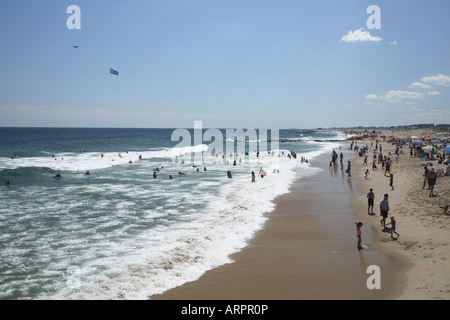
[
  {"x": 417, "y": 141},
  {"x": 447, "y": 150},
  {"x": 414, "y": 137}
]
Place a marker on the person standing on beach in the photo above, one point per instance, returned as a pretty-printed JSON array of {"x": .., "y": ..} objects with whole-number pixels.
[
  {"x": 384, "y": 209},
  {"x": 333, "y": 158},
  {"x": 253, "y": 176},
  {"x": 349, "y": 168},
  {"x": 370, "y": 200},
  {"x": 359, "y": 234},
  {"x": 425, "y": 177},
  {"x": 432, "y": 175}
]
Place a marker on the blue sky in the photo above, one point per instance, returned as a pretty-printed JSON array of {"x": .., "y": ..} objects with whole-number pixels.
[{"x": 228, "y": 63}]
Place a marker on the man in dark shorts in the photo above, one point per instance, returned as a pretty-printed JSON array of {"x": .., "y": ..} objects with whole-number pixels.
[
  {"x": 384, "y": 209},
  {"x": 432, "y": 175},
  {"x": 370, "y": 199}
]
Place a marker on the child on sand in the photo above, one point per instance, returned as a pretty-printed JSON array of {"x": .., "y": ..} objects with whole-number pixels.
[
  {"x": 358, "y": 234},
  {"x": 393, "y": 225},
  {"x": 374, "y": 165}
]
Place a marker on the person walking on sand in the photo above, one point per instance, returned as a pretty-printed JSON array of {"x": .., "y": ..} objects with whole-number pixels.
[
  {"x": 393, "y": 224},
  {"x": 253, "y": 176},
  {"x": 370, "y": 200},
  {"x": 359, "y": 234},
  {"x": 384, "y": 209},
  {"x": 432, "y": 181},
  {"x": 388, "y": 167},
  {"x": 374, "y": 164}
]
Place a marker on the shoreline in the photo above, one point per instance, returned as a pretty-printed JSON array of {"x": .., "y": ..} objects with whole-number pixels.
[{"x": 305, "y": 250}]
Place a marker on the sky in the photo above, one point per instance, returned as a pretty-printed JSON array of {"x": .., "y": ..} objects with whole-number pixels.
[{"x": 227, "y": 63}]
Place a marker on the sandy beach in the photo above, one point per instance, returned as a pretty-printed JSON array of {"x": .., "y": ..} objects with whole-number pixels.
[{"x": 423, "y": 227}]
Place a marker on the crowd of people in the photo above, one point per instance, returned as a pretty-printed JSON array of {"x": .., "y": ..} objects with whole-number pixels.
[{"x": 430, "y": 176}]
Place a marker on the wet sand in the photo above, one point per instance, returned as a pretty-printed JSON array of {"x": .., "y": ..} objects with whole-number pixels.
[{"x": 306, "y": 250}]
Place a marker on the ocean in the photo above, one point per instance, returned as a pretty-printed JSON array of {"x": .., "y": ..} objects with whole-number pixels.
[{"x": 126, "y": 230}]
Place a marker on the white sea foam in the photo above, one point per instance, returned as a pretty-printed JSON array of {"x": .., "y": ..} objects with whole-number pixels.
[
  {"x": 81, "y": 162},
  {"x": 184, "y": 251}
]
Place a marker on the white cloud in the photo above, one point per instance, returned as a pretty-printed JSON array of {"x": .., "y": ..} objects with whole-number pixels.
[
  {"x": 420, "y": 85},
  {"x": 393, "y": 43},
  {"x": 373, "y": 96},
  {"x": 439, "y": 80},
  {"x": 407, "y": 97},
  {"x": 359, "y": 35},
  {"x": 401, "y": 96}
]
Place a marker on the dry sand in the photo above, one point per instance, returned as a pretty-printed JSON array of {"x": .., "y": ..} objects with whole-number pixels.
[{"x": 307, "y": 248}]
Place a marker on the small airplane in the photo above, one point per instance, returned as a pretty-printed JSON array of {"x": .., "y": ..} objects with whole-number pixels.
[{"x": 75, "y": 47}]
